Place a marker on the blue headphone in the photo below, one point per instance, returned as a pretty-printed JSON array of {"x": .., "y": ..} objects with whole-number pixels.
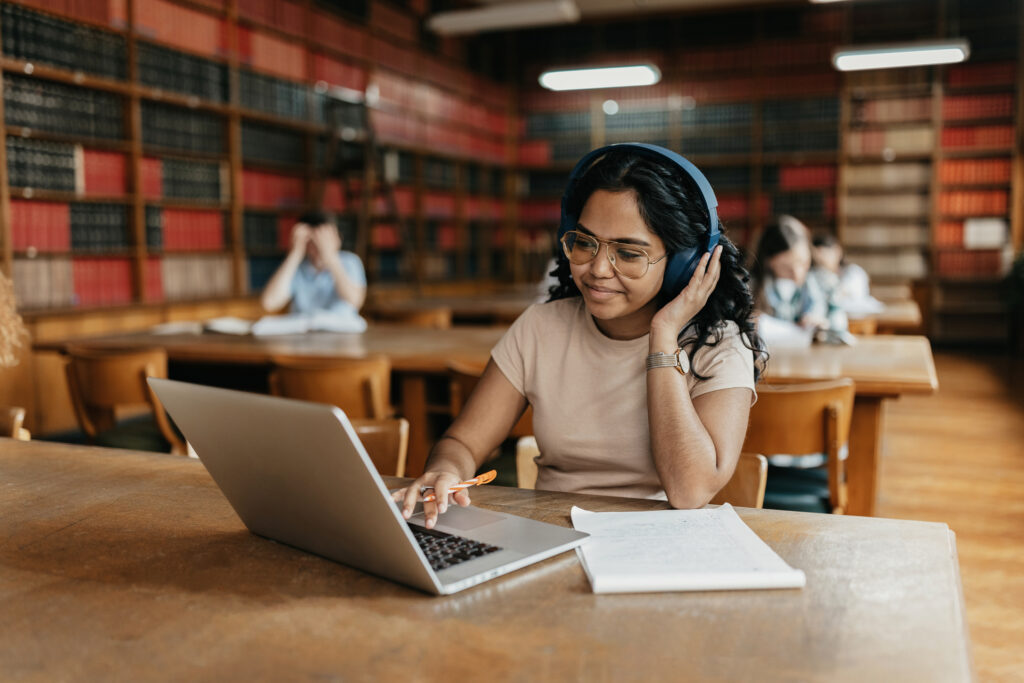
[{"x": 681, "y": 264}]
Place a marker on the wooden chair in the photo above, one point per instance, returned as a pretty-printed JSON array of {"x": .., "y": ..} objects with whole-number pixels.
[
  {"x": 744, "y": 489},
  {"x": 805, "y": 419},
  {"x": 863, "y": 325},
  {"x": 386, "y": 441},
  {"x": 361, "y": 387},
  {"x": 462, "y": 380},
  {"x": 108, "y": 384},
  {"x": 11, "y": 420}
]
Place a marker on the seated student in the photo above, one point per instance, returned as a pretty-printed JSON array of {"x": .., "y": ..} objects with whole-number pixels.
[
  {"x": 637, "y": 390},
  {"x": 847, "y": 283},
  {"x": 317, "y": 276},
  {"x": 783, "y": 289}
]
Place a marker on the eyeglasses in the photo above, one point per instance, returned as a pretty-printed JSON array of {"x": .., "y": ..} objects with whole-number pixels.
[{"x": 627, "y": 260}]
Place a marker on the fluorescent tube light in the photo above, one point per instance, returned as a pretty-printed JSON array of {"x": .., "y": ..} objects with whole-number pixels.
[
  {"x": 900, "y": 55},
  {"x": 601, "y": 77},
  {"x": 505, "y": 16}
]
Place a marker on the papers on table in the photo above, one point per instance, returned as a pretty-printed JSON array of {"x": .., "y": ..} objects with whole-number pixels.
[
  {"x": 677, "y": 550},
  {"x": 299, "y": 323},
  {"x": 781, "y": 333}
]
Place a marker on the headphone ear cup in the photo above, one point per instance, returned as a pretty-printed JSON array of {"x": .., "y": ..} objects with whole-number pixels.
[{"x": 678, "y": 271}]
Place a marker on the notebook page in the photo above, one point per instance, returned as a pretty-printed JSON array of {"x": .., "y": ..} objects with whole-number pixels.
[{"x": 678, "y": 550}]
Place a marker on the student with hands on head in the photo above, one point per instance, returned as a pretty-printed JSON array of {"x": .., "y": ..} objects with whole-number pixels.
[
  {"x": 636, "y": 390},
  {"x": 317, "y": 275}
]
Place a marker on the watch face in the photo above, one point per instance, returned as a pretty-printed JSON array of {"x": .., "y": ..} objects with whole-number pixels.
[{"x": 683, "y": 360}]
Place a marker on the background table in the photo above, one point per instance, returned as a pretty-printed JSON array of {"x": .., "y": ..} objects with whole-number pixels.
[
  {"x": 132, "y": 566},
  {"x": 882, "y": 366}
]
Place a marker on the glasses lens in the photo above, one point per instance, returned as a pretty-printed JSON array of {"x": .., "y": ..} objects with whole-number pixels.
[
  {"x": 579, "y": 248},
  {"x": 631, "y": 262}
]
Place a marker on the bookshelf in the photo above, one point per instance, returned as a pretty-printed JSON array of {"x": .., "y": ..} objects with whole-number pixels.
[{"x": 169, "y": 145}]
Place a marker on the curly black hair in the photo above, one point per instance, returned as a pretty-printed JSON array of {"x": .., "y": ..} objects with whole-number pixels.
[{"x": 670, "y": 205}]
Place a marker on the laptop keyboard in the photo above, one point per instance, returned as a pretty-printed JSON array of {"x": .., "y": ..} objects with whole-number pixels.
[{"x": 447, "y": 550}]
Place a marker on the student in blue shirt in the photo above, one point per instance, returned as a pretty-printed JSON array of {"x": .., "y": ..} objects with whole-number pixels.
[{"x": 317, "y": 275}]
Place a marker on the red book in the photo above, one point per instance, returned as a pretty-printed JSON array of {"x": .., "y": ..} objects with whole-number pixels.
[{"x": 104, "y": 172}]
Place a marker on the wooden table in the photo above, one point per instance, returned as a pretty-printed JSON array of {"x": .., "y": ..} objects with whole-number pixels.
[
  {"x": 882, "y": 366},
  {"x": 897, "y": 316},
  {"x": 120, "y": 565}
]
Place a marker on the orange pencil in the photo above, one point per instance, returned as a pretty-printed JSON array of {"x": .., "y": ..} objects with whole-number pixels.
[{"x": 484, "y": 478}]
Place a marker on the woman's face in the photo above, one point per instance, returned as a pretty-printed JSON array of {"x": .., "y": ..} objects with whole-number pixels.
[
  {"x": 622, "y": 307},
  {"x": 792, "y": 264}
]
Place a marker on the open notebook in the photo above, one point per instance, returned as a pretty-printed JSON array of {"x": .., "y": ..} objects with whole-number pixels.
[{"x": 678, "y": 550}]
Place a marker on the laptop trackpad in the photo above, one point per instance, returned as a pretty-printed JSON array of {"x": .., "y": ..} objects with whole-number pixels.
[{"x": 463, "y": 518}]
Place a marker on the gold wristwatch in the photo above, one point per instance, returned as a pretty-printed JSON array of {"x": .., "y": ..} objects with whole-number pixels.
[{"x": 678, "y": 360}]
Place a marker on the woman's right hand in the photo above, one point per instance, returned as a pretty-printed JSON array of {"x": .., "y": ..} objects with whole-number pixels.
[{"x": 440, "y": 481}]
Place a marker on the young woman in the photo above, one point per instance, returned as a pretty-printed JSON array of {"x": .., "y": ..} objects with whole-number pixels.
[
  {"x": 635, "y": 391},
  {"x": 783, "y": 288}
]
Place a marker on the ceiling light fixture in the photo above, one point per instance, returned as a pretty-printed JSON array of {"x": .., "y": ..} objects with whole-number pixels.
[
  {"x": 601, "y": 77},
  {"x": 891, "y": 56},
  {"x": 505, "y": 16}
]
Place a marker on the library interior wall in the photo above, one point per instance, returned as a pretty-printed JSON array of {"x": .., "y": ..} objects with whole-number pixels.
[{"x": 134, "y": 220}]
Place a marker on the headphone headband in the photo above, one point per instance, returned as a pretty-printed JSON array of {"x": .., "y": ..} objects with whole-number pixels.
[{"x": 657, "y": 153}]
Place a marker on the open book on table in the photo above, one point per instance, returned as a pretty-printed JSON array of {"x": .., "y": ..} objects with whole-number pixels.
[
  {"x": 291, "y": 323},
  {"x": 678, "y": 550}
]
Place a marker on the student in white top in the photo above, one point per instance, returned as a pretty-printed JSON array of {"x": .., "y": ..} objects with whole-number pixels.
[
  {"x": 636, "y": 389},
  {"x": 847, "y": 283}
]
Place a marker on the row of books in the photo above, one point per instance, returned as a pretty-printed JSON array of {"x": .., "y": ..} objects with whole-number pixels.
[
  {"x": 949, "y": 234},
  {"x": 410, "y": 129},
  {"x": 103, "y": 173},
  {"x": 895, "y": 175},
  {"x": 886, "y": 233},
  {"x": 271, "y": 54},
  {"x": 269, "y": 144},
  {"x": 185, "y": 229},
  {"x": 169, "y": 127},
  {"x": 974, "y": 171},
  {"x": 891, "y": 110},
  {"x": 981, "y": 74},
  {"x": 908, "y": 205},
  {"x": 386, "y": 236},
  {"x": 65, "y": 282},
  {"x": 439, "y": 173},
  {"x": 442, "y": 236},
  {"x": 904, "y": 263},
  {"x": 971, "y": 263},
  {"x": 978, "y": 137},
  {"x": 472, "y": 110},
  {"x": 99, "y": 227},
  {"x": 804, "y": 204},
  {"x": 259, "y": 270},
  {"x": 266, "y": 231},
  {"x": 190, "y": 179},
  {"x": 265, "y": 189},
  {"x": 44, "y": 39},
  {"x": 387, "y": 266},
  {"x": 40, "y": 226},
  {"x": 440, "y": 266},
  {"x": 177, "y": 277},
  {"x": 907, "y": 140},
  {"x": 974, "y": 203},
  {"x": 110, "y": 12},
  {"x": 63, "y": 109},
  {"x": 40, "y": 164},
  {"x": 806, "y": 177},
  {"x": 285, "y": 15},
  {"x": 483, "y": 180},
  {"x": 956, "y": 107},
  {"x": 166, "y": 69},
  {"x": 275, "y": 96}
]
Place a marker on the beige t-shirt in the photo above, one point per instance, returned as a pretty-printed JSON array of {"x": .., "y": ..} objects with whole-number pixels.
[{"x": 589, "y": 396}]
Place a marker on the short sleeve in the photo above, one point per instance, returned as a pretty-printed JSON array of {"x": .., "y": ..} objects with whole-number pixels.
[
  {"x": 510, "y": 353},
  {"x": 729, "y": 364},
  {"x": 353, "y": 266}
]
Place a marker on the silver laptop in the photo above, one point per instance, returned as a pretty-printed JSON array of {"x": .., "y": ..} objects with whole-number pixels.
[{"x": 296, "y": 472}]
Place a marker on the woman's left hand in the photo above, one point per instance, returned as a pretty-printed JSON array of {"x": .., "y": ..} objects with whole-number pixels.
[{"x": 676, "y": 314}]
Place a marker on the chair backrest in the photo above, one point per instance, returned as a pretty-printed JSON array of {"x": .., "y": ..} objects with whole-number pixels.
[
  {"x": 361, "y": 387},
  {"x": 526, "y": 468},
  {"x": 863, "y": 325},
  {"x": 105, "y": 382},
  {"x": 11, "y": 419},
  {"x": 808, "y": 418},
  {"x": 462, "y": 380},
  {"x": 386, "y": 441},
  {"x": 439, "y": 318},
  {"x": 746, "y": 487}
]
